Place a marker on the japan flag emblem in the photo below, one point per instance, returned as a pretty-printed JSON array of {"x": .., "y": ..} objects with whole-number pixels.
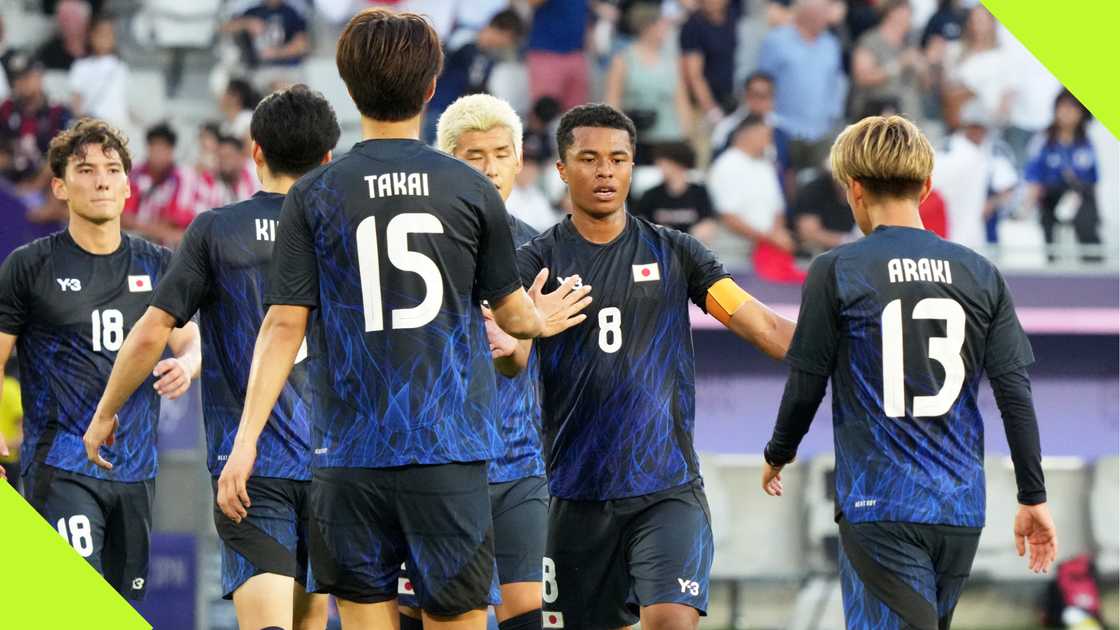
[
  {"x": 647, "y": 273},
  {"x": 552, "y": 619},
  {"x": 139, "y": 284}
]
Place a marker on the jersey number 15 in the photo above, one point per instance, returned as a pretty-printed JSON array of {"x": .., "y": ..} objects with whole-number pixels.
[
  {"x": 945, "y": 350},
  {"x": 396, "y": 249}
]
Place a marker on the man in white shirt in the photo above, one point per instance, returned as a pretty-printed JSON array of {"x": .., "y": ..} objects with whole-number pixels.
[{"x": 744, "y": 187}]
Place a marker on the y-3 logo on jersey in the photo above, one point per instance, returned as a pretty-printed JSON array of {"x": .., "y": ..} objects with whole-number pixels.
[
  {"x": 578, "y": 284},
  {"x": 689, "y": 586},
  {"x": 69, "y": 284}
]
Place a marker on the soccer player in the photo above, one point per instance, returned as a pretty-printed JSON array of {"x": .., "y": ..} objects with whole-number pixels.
[
  {"x": 905, "y": 323},
  {"x": 67, "y": 301},
  {"x": 219, "y": 272},
  {"x": 628, "y": 530},
  {"x": 485, "y": 132},
  {"x": 395, "y": 246}
]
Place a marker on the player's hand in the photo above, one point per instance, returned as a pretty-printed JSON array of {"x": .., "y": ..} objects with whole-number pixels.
[
  {"x": 174, "y": 379},
  {"x": 101, "y": 432},
  {"x": 1034, "y": 528},
  {"x": 233, "y": 493},
  {"x": 501, "y": 343},
  {"x": 561, "y": 308},
  {"x": 771, "y": 480}
]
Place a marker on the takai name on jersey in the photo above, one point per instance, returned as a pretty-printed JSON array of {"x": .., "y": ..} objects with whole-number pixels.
[
  {"x": 397, "y": 185},
  {"x": 921, "y": 270}
]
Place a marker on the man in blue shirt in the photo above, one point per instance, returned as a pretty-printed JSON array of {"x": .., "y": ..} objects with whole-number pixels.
[
  {"x": 557, "y": 66},
  {"x": 804, "y": 58}
]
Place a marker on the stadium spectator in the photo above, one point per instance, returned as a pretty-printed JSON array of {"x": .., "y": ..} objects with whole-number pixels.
[
  {"x": 933, "y": 214},
  {"x": 975, "y": 175},
  {"x": 527, "y": 201},
  {"x": 678, "y": 202},
  {"x": 555, "y": 57},
  {"x": 207, "y": 159},
  {"x": 99, "y": 82},
  {"x": 641, "y": 83},
  {"x": 72, "y": 41},
  {"x": 885, "y": 67},
  {"x": 232, "y": 180},
  {"x": 1063, "y": 174},
  {"x": 538, "y": 128},
  {"x": 758, "y": 99},
  {"x": 237, "y": 104},
  {"x": 1032, "y": 108},
  {"x": 945, "y": 25},
  {"x": 273, "y": 39},
  {"x": 708, "y": 40},
  {"x": 976, "y": 66},
  {"x": 821, "y": 217},
  {"x": 743, "y": 185},
  {"x": 29, "y": 120},
  {"x": 804, "y": 59},
  {"x": 165, "y": 196},
  {"x": 467, "y": 66}
]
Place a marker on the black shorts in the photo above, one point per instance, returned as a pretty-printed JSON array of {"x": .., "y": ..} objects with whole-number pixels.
[
  {"x": 520, "y": 512},
  {"x": 272, "y": 539},
  {"x": 109, "y": 523},
  {"x": 367, "y": 522},
  {"x": 902, "y": 576},
  {"x": 604, "y": 560}
]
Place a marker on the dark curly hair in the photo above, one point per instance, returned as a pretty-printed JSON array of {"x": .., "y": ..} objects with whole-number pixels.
[
  {"x": 592, "y": 115},
  {"x": 87, "y": 131},
  {"x": 295, "y": 128}
]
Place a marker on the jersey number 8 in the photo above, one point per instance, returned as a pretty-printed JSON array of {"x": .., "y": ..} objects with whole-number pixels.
[
  {"x": 396, "y": 245},
  {"x": 945, "y": 350}
]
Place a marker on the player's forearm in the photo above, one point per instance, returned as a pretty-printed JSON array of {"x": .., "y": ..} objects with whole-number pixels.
[
  {"x": 512, "y": 365},
  {"x": 763, "y": 328},
  {"x": 517, "y": 316},
  {"x": 186, "y": 345},
  {"x": 800, "y": 400},
  {"x": 136, "y": 359},
  {"x": 1013, "y": 397},
  {"x": 274, "y": 355}
]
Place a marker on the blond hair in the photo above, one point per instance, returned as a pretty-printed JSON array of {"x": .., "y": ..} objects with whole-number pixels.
[
  {"x": 887, "y": 155},
  {"x": 476, "y": 112}
]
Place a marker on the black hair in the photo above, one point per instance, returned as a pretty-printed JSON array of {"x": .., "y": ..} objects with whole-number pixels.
[
  {"x": 748, "y": 121},
  {"x": 244, "y": 92},
  {"x": 758, "y": 75},
  {"x": 162, "y": 131},
  {"x": 677, "y": 152},
  {"x": 1080, "y": 133},
  {"x": 592, "y": 115},
  {"x": 234, "y": 140},
  {"x": 295, "y": 128},
  {"x": 509, "y": 21},
  {"x": 546, "y": 109}
]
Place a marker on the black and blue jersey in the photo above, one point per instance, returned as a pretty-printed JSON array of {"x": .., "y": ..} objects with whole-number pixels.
[
  {"x": 905, "y": 324},
  {"x": 396, "y": 245},
  {"x": 219, "y": 272},
  {"x": 618, "y": 397},
  {"x": 71, "y": 311}
]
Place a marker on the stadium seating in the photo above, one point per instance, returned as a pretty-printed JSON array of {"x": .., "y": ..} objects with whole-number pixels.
[
  {"x": 1104, "y": 514},
  {"x": 177, "y": 24}
]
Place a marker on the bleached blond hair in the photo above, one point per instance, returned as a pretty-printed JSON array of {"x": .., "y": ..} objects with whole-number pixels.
[
  {"x": 476, "y": 112},
  {"x": 887, "y": 155}
]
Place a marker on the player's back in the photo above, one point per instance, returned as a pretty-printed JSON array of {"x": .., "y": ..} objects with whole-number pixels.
[
  {"x": 220, "y": 271},
  {"x": 390, "y": 237},
  {"x": 919, "y": 320}
]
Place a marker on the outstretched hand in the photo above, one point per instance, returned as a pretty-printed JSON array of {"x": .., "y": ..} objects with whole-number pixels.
[
  {"x": 560, "y": 309},
  {"x": 772, "y": 480}
]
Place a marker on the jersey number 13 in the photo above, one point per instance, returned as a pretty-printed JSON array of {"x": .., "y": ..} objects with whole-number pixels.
[{"x": 945, "y": 350}]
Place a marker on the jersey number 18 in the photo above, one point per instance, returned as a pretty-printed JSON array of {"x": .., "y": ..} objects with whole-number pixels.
[{"x": 945, "y": 350}]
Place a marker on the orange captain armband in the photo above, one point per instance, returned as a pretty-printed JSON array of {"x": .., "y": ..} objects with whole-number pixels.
[{"x": 724, "y": 299}]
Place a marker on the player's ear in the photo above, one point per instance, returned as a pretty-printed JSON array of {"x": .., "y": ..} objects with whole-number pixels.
[
  {"x": 927, "y": 187},
  {"x": 431, "y": 91},
  {"x": 58, "y": 188},
  {"x": 327, "y": 158},
  {"x": 257, "y": 153},
  {"x": 560, "y": 169}
]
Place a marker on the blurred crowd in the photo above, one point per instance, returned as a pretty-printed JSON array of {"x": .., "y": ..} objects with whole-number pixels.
[{"x": 736, "y": 103}]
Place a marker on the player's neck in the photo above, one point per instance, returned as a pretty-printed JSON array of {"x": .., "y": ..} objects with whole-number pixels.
[
  {"x": 95, "y": 238},
  {"x": 895, "y": 213},
  {"x": 278, "y": 184},
  {"x": 386, "y": 130},
  {"x": 599, "y": 230}
]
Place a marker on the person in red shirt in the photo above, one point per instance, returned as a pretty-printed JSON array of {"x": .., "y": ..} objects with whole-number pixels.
[{"x": 165, "y": 197}]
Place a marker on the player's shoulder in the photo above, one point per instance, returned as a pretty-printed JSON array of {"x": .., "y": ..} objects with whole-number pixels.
[
  {"x": 32, "y": 255},
  {"x": 676, "y": 239},
  {"x": 522, "y": 231},
  {"x": 543, "y": 242},
  {"x": 447, "y": 165},
  {"x": 142, "y": 247}
]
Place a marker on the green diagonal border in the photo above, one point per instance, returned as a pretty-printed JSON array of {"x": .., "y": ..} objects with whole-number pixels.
[
  {"x": 46, "y": 584},
  {"x": 1077, "y": 41}
]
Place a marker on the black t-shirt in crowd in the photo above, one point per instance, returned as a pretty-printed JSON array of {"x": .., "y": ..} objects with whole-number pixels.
[
  {"x": 678, "y": 212},
  {"x": 821, "y": 198}
]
